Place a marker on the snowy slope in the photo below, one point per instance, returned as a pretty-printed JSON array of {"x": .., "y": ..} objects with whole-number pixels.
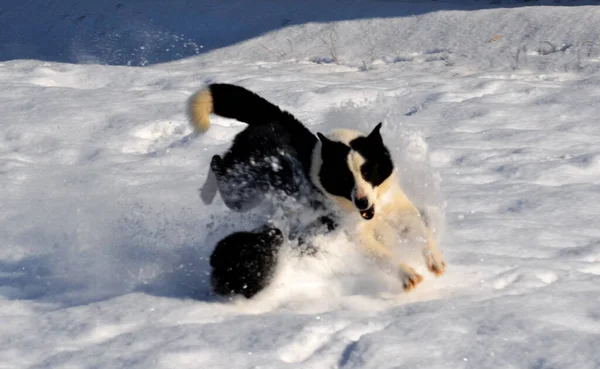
[
  {"x": 104, "y": 239},
  {"x": 499, "y": 35}
]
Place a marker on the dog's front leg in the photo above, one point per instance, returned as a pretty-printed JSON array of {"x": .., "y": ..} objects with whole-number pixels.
[
  {"x": 408, "y": 276},
  {"x": 431, "y": 253},
  {"x": 411, "y": 219},
  {"x": 433, "y": 258}
]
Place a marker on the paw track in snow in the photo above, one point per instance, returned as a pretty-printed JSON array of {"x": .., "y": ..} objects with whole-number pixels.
[
  {"x": 105, "y": 333},
  {"x": 307, "y": 342},
  {"x": 327, "y": 339},
  {"x": 519, "y": 280},
  {"x": 66, "y": 78},
  {"x": 593, "y": 268},
  {"x": 154, "y": 136}
]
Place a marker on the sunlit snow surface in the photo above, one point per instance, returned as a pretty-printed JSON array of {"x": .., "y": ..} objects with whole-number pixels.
[{"x": 103, "y": 260}]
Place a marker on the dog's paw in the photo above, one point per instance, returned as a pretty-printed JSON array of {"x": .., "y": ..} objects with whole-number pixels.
[
  {"x": 409, "y": 277},
  {"x": 435, "y": 263},
  {"x": 209, "y": 189}
]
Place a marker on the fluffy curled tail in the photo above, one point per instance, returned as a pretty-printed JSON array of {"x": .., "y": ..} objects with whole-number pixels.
[
  {"x": 230, "y": 101},
  {"x": 199, "y": 107}
]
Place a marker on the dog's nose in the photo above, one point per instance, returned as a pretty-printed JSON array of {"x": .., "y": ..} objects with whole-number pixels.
[{"x": 361, "y": 202}]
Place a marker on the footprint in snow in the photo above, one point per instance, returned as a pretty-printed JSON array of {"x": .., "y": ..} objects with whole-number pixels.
[
  {"x": 517, "y": 279},
  {"x": 154, "y": 137}
]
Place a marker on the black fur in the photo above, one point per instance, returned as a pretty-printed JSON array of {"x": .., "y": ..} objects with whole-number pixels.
[
  {"x": 321, "y": 225},
  {"x": 273, "y": 156},
  {"x": 335, "y": 176},
  {"x": 378, "y": 164},
  {"x": 239, "y": 103},
  {"x": 244, "y": 262}
]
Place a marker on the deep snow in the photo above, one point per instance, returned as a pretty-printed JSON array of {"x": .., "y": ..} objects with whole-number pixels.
[{"x": 104, "y": 238}]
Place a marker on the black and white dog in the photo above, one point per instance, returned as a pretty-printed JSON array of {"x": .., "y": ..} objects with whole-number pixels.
[{"x": 343, "y": 173}]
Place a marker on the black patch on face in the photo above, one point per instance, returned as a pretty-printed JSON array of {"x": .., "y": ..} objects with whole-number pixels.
[
  {"x": 378, "y": 164},
  {"x": 334, "y": 174}
]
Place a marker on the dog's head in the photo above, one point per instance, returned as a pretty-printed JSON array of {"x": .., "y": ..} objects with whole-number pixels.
[{"x": 353, "y": 169}]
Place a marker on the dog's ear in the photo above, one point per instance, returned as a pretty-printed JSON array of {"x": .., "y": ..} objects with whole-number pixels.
[
  {"x": 332, "y": 148},
  {"x": 326, "y": 144},
  {"x": 375, "y": 134},
  {"x": 322, "y": 138}
]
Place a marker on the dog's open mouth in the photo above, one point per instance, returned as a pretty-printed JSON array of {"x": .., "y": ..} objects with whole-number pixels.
[{"x": 368, "y": 213}]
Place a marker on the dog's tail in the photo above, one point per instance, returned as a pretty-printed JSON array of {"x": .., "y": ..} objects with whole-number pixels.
[{"x": 230, "y": 101}]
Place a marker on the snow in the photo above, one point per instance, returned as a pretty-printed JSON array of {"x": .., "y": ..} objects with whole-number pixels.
[{"x": 105, "y": 239}]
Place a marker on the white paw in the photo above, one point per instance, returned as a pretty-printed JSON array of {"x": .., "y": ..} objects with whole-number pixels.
[
  {"x": 435, "y": 263},
  {"x": 409, "y": 277}
]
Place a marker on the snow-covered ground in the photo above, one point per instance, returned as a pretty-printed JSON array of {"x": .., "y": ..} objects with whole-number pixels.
[{"x": 104, "y": 239}]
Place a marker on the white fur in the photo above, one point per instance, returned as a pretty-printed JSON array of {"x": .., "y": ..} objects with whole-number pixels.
[
  {"x": 355, "y": 161},
  {"x": 396, "y": 214},
  {"x": 344, "y": 135},
  {"x": 362, "y": 188},
  {"x": 393, "y": 211}
]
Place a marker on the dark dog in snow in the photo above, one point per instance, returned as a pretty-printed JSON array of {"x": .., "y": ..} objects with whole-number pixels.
[{"x": 343, "y": 172}]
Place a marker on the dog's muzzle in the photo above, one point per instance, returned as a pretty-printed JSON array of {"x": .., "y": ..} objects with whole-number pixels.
[
  {"x": 362, "y": 204},
  {"x": 368, "y": 214}
]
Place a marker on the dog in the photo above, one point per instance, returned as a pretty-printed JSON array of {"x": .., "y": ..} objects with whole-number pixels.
[{"x": 342, "y": 173}]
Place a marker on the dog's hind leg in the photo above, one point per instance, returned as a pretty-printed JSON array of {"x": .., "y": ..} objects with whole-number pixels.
[
  {"x": 324, "y": 224},
  {"x": 244, "y": 262},
  {"x": 237, "y": 189}
]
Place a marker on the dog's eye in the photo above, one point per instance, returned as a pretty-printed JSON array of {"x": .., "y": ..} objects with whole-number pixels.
[
  {"x": 348, "y": 179},
  {"x": 365, "y": 171}
]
